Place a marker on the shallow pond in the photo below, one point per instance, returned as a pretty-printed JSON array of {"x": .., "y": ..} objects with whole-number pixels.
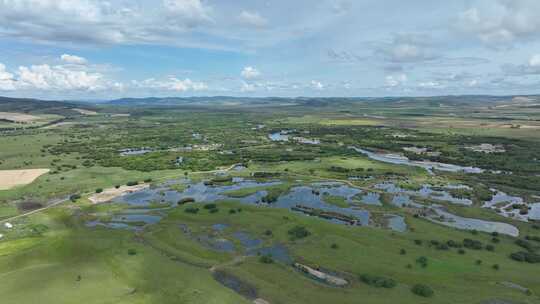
[
  {"x": 304, "y": 195},
  {"x": 451, "y": 220},
  {"x": 278, "y": 252},
  {"x": 396, "y": 223},
  {"x": 425, "y": 191},
  {"x": 534, "y": 212},
  {"x": 278, "y": 136},
  {"x": 247, "y": 241},
  {"x": 428, "y": 165}
]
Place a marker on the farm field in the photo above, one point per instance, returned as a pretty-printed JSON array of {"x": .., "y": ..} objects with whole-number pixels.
[{"x": 307, "y": 201}]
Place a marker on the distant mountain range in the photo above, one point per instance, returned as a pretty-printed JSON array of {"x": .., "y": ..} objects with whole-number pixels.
[{"x": 25, "y": 105}]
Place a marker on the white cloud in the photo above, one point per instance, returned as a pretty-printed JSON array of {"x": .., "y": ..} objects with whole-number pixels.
[
  {"x": 395, "y": 80},
  {"x": 62, "y": 78},
  {"x": 407, "y": 48},
  {"x": 171, "y": 84},
  {"x": 535, "y": 61},
  {"x": 431, "y": 85},
  {"x": 317, "y": 85},
  {"x": 45, "y": 77},
  {"x": 341, "y": 7},
  {"x": 502, "y": 22},
  {"x": 253, "y": 19},
  {"x": 247, "y": 87},
  {"x": 250, "y": 73},
  {"x": 191, "y": 12},
  {"x": 532, "y": 67},
  {"x": 7, "y": 81},
  {"x": 72, "y": 59}
]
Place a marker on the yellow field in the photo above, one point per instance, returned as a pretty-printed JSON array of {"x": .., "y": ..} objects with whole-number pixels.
[
  {"x": 18, "y": 117},
  {"x": 13, "y": 178}
]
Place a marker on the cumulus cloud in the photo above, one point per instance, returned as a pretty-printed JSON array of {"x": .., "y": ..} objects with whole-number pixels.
[
  {"x": 250, "y": 72},
  {"x": 72, "y": 59},
  {"x": 190, "y": 12},
  {"x": 74, "y": 75},
  {"x": 407, "y": 48},
  {"x": 7, "y": 80},
  {"x": 171, "y": 84},
  {"x": 101, "y": 22},
  {"x": 317, "y": 85},
  {"x": 340, "y": 7},
  {"x": 501, "y": 22},
  {"x": 61, "y": 78},
  {"x": 532, "y": 67},
  {"x": 252, "y": 19},
  {"x": 392, "y": 81}
]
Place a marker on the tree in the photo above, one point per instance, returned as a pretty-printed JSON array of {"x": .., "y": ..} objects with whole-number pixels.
[{"x": 422, "y": 290}]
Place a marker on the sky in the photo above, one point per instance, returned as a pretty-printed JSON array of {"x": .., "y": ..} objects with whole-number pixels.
[{"x": 93, "y": 49}]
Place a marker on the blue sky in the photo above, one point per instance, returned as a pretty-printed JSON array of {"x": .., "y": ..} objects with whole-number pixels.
[{"x": 93, "y": 49}]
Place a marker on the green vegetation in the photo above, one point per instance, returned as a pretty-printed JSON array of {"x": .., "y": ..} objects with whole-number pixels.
[
  {"x": 377, "y": 281},
  {"x": 57, "y": 256}
]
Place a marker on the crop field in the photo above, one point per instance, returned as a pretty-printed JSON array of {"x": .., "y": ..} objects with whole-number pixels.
[{"x": 325, "y": 201}]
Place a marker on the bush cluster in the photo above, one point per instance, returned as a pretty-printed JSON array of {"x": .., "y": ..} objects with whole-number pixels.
[{"x": 377, "y": 281}]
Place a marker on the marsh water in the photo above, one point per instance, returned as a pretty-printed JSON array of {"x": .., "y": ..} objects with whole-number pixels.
[
  {"x": 148, "y": 206},
  {"x": 428, "y": 165}
]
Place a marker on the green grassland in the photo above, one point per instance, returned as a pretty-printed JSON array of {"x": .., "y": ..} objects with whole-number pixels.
[
  {"x": 167, "y": 265},
  {"x": 52, "y": 256}
]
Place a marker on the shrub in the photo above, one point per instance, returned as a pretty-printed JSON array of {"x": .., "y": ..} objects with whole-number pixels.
[
  {"x": 377, "y": 281},
  {"x": 132, "y": 251},
  {"x": 532, "y": 238},
  {"x": 442, "y": 247},
  {"x": 298, "y": 232},
  {"x": 496, "y": 266},
  {"x": 478, "y": 262},
  {"x": 99, "y": 190},
  {"x": 334, "y": 246},
  {"x": 117, "y": 186},
  {"x": 525, "y": 244},
  {"x": 132, "y": 183},
  {"x": 461, "y": 251},
  {"x": 490, "y": 248},
  {"x": 453, "y": 244},
  {"x": 192, "y": 210},
  {"x": 402, "y": 251},
  {"x": 266, "y": 259},
  {"x": 423, "y": 261},
  {"x": 186, "y": 200},
  {"x": 74, "y": 197},
  {"x": 495, "y": 240},
  {"x": 148, "y": 180},
  {"x": 418, "y": 242},
  {"x": 232, "y": 211},
  {"x": 268, "y": 232},
  {"x": 422, "y": 290},
  {"x": 472, "y": 244},
  {"x": 215, "y": 210},
  {"x": 523, "y": 256},
  {"x": 210, "y": 206}
]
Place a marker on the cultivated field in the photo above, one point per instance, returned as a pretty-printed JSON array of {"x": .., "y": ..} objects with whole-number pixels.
[
  {"x": 18, "y": 117},
  {"x": 14, "y": 178}
]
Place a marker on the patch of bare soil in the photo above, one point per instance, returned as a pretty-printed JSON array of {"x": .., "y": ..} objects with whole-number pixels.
[
  {"x": 111, "y": 193},
  {"x": 17, "y": 117},
  {"x": 13, "y": 178},
  {"x": 29, "y": 206}
]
